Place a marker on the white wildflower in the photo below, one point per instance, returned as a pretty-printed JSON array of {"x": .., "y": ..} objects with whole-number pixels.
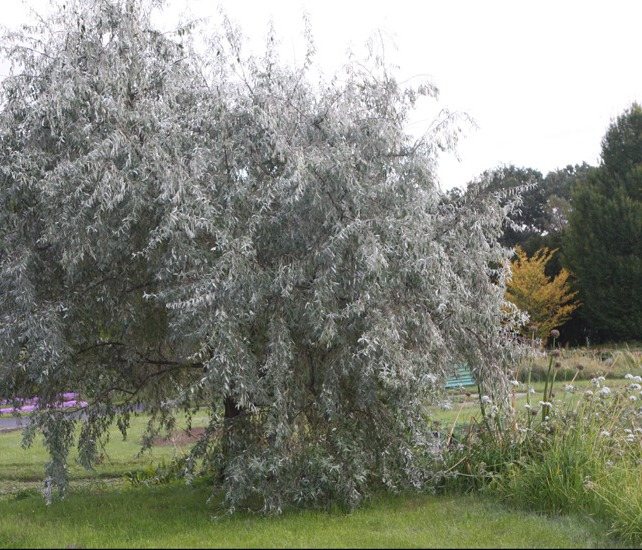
[
  {"x": 486, "y": 400},
  {"x": 604, "y": 433},
  {"x": 598, "y": 381},
  {"x": 636, "y": 387},
  {"x": 588, "y": 484},
  {"x": 569, "y": 388},
  {"x": 604, "y": 391}
]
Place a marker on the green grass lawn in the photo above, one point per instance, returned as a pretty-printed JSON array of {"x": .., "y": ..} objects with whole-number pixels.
[
  {"x": 178, "y": 516},
  {"x": 466, "y": 409},
  {"x": 24, "y": 468},
  {"x": 102, "y": 510}
]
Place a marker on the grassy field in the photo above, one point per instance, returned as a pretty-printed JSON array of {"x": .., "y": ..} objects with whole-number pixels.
[
  {"x": 103, "y": 510},
  {"x": 177, "y": 516},
  {"x": 612, "y": 362},
  {"x": 465, "y": 408},
  {"x": 22, "y": 469}
]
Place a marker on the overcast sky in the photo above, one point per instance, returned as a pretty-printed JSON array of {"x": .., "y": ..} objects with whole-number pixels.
[{"x": 541, "y": 79}]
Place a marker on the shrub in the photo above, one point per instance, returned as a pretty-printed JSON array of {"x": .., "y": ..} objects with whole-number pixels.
[{"x": 575, "y": 453}]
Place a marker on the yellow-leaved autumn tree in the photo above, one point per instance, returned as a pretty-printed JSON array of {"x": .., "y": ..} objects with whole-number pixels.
[{"x": 548, "y": 301}]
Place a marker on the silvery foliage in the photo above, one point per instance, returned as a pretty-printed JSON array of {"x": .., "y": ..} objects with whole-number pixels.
[{"x": 222, "y": 230}]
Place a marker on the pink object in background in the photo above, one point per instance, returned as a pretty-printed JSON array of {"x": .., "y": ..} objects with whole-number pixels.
[{"x": 68, "y": 399}]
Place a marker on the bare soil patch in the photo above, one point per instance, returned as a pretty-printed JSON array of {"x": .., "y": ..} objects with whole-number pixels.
[{"x": 179, "y": 437}]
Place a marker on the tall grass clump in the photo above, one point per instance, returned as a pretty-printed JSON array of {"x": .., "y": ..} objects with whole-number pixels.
[
  {"x": 565, "y": 452},
  {"x": 620, "y": 497}
]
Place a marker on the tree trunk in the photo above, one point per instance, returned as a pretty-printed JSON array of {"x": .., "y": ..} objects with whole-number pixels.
[{"x": 231, "y": 412}]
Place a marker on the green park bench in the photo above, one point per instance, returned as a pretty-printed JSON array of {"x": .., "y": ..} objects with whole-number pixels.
[{"x": 462, "y": 377}]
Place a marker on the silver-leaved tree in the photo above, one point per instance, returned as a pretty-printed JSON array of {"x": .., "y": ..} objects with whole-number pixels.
[{"x": 221, "y": 231}]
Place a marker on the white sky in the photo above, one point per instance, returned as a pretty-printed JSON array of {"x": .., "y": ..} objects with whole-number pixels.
[{"x": 542, "y": 79}]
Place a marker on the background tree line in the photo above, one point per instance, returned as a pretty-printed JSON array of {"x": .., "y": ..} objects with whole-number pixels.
[{"x": 592, "y": 216}]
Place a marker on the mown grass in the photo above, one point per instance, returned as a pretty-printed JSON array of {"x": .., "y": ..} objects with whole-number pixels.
[
  {"x": 24, "y": 468},
  {"x": 465, "y": 409},
  {"x": 178, "y": 516},
  {"x": 102, "y": 510}
]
